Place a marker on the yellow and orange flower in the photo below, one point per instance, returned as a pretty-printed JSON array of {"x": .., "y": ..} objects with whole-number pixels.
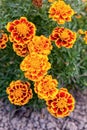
[
  {"x": 19, "y": 92},
  {"x": 21, "y": 50},
  {"x": 46, "y": 88},
  {"x": 35, "y": 66},
  {"x": 40, "y": 45},
  {"x": 62, "y": 104},
  {"x": 85, "y": 37},
  {"x": 51, "y": 0},
  {"x": 3, "y": 40},
  {"x": 84, "y": 0},
  {"x": 80, "y": 31},
  {"x": 78, "y": 16},
  {"x": 63, "y": 37},
  {"x": 21, "y": 30},
  {"x": 61, "y": 12}
]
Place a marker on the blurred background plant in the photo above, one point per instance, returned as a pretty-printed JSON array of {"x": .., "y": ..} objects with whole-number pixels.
[{"x": 69, "y": 66}]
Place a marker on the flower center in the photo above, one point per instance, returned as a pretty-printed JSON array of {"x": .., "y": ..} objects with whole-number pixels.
[
  {"x": 18, "y": 93},
  {"x": 61, "y": 103},
  {"x": 64, "y": 35},
  {"x": 22, "y": 29}
]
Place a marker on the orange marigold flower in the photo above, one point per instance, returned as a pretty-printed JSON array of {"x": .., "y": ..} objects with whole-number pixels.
[
  {"x": 21, "y": 50},
  {"x": 40, "y": 44},
  {"x": 63, "y": 37},
  {"x": 46, "y": 88},
  {"x": 78, "y": 16},
  {"x": 62, "y": 104},
  {"x": 35, "y": 66},
  {"x": 21, "y": 30},
  {"x": 51, "y": 0},
  {"x": 3, "y": 39},
  {"x": 84, "y": 0},
  {"x": 61, "y": 12},
  {"x": 19, "y": 92},
  {"x": 85, "y": 38}
]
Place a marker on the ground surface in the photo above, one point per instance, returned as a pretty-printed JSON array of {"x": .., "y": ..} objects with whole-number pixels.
[{"x": 35, "y": 120}]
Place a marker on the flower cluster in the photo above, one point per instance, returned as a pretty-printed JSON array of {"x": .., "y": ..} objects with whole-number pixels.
[
  {"x": 40, "y": 45},
  {"x": 63, "y": 37},
  {"x": 19, "y": 92},
  {"x": 60, "y": 12},
  {"x": 62, "y": 104},
  {"x": 46, "y": 88},
  {"x": 3, "y": 40},
  {"x": 22, "y": 31},
  {"x": 35, "y": 66}
]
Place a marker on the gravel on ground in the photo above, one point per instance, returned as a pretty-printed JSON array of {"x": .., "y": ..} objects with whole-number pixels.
[{"x": 26, "y": 119}]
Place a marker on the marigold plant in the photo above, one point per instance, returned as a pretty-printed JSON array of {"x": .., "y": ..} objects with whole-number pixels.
[{"x": 32, "y": 68}]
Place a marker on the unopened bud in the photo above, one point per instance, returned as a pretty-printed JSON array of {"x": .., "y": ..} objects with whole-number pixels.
[{"x": 37, "y": 3}]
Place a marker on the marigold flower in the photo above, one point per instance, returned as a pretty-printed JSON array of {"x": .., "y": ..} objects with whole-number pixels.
[
  {"x": 46, "y": 88},
  {"x": 40, "y": 44},
  {"x": 78, "y": 16},
  {"x": 85, "y": 37},
  {"x": 51, "y": 0},
  {"x": 3, "y": 39},
  {"x": 63, "y": 37},
  {"x": 21, "y": 30},
  {"x": 80, "y": 31},
  {"x": 84, "y": 0},
  {"x": 19, "y": 92},
  {"x": 35, "y": 66},
  {"x": 62, "y": 104},
  {"x": 61, "y": 12},
  {"x": 11, "y": 39},
  {"x": 21, "y": 50}
]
